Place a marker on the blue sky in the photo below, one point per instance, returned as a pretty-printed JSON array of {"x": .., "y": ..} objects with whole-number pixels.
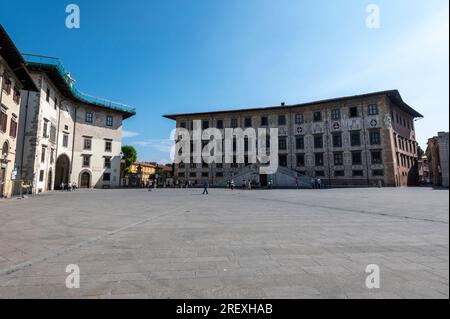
[{"x": 188, "y": 56}]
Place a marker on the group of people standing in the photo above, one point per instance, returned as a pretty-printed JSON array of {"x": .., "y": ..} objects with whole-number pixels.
[
  {"x": 246, "y": 184},
  {"x": 70, "y": 186},
  {"x": 150, "y": 185}
]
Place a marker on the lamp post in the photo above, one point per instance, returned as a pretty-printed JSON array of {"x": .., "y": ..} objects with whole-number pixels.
[
  {"x": 4, "y": 164},
  {"x": 139, "y": 175},
  {"x": 4, "y": 160}
]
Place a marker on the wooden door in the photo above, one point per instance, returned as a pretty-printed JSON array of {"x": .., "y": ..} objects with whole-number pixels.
[{"x": 85, "y": 180}]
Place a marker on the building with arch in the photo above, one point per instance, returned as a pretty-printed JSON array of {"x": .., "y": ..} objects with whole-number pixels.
[
  {"x": 14, "y": 77},
  {"x": 66, "y": 135}
]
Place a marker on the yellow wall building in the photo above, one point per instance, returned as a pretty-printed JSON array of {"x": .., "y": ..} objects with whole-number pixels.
[{"x": 14, "y": 77}]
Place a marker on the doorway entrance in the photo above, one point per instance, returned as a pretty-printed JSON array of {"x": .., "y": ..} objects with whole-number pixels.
[
  {"x": 85, "y": 180},
  {"x": 62, "y": 171},
  {"x": 49, "y": 180},
  {"x": 263, "y": 180},
  {"x": 2, "y": 180}
]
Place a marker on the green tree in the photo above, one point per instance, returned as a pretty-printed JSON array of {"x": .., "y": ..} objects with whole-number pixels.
[
  {"x": 420, "y": 152},
  {"x": 129, "y": 155}
]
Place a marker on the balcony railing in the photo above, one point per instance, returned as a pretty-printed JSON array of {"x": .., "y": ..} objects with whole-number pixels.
[{"x": 45, "y": 61}]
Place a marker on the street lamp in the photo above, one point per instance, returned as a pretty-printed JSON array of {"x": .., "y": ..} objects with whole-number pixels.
[
  {"x": 139, "y": 171},
  {"x": 4, "y": 159}
]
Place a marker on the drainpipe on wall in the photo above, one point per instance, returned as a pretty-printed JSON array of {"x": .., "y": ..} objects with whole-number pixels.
[
  {"x": 328, "y": 141},
  {"x": 57, "y": 130},
  {"x": 365, "y": 145},
  {"x": 24, "y": 134},
  {"x": 73, "y": 138},
  {"x": 1, "y": 89},
  {"x": 1, "y": 155},
  {"x": 291, "y": 137}
]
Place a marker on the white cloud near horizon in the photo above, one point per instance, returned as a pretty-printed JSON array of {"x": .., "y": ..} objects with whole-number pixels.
[
  {"x": 416, "y": 63},
  {"x": 415, "y": 49},
  {"x": 161, "y": 145},
  {"x": 127, "y": 134},
  {"x": 161, "y": 148}
]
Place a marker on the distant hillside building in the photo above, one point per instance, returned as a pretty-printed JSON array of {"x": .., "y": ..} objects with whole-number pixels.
[
  {"x": 437, "y": 154},
  {"x": 424, "y": 171},
  {"x": 355, "y": 140},
  {"x": 66, "y": 135},
  {"x": 140, "y": 173}
]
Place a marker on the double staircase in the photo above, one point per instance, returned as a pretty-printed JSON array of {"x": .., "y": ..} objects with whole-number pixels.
[{"x": 282, "y": 178}]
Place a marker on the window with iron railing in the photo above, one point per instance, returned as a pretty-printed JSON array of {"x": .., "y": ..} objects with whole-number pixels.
[
  {"x": 86, "y": 160},
  {"x": 7, "y": 84},
  {"x": 372, "y": 109},
  {"x": 336, "y": 114},
  {"x": 107, "y": 162},
  {"x": 318, "y": 157},
  {"x": 108, "y": 146},
  {"x": 89, "y": 117},
  {"x": 45, "y": 129},
  {"x": 375, "y": 138},
  {"x": 13, "y": 128},
  {"x": 299, "y": 119},
  {"x": 338, "y": 159},
  {"x": 109, "y": 121},
  {"x": 318, "y": 141},
  {"x": 65, "y": 140},
  {"x": 52, "y": 133},
  {"x": 3, "y": 121},
  {"x": 16, "y": 96}
]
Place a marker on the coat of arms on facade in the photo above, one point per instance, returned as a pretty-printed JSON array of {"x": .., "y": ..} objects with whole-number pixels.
[
  {"x": 354, "y": 124},
  {"x": 388, "y": 121},
  {"x": 317, "y": 128},
  {"x": 336, "y": 126}
]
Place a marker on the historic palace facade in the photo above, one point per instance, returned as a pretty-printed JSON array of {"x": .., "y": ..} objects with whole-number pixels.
[
  {"x": 357, "y": 140},
  {"x": 65, "y": 135},
  {"x": 14, "y": 77}
]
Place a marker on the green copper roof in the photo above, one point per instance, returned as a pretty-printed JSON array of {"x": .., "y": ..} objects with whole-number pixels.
[{"x": 61, "y": 78}]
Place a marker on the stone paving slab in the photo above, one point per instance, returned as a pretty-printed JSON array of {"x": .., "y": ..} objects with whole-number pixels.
[{"x": 176, "y": 243}]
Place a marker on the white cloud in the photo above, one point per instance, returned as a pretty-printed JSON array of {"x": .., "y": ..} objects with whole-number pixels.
[
  {"x": 421, "y": 48},
  {"x": 126, "y": 134},
  {"x": 161, "y": 145},
  {"x": 164, "y": 161}
]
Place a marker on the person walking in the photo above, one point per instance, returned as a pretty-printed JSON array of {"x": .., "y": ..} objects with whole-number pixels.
[
  {"x": 319, "y": 183},
  {"x": 205, "y": 188},
  {"x": 232, "y": 184},
  {"x": 269, "y": 184},
  {"x": 243, "y": 183},
  {"x": 296, "y": 181},
  {"x": 249, "y": 184}
]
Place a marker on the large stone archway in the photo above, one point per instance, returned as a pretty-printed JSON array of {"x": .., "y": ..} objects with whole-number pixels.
[{"x": 62, "y": 170}]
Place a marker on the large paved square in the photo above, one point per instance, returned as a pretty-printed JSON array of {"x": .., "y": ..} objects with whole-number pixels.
[{"x": 229, "y": 244}]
